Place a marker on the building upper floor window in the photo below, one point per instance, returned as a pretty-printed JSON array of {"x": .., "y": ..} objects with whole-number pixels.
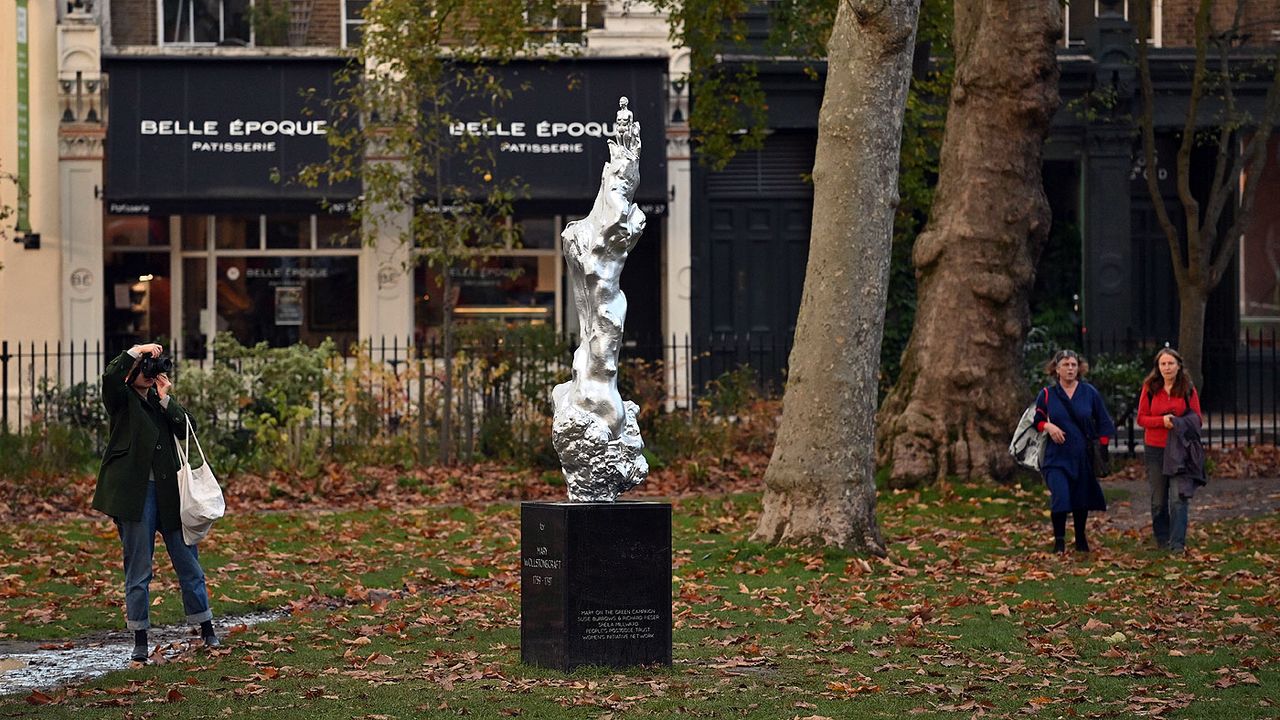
[
  {"x": 353, "y": 21},
  {"x": 568, "y": 23},
  {"x": 1079, "y": 16},
  {"x": 204, "y": 22}
]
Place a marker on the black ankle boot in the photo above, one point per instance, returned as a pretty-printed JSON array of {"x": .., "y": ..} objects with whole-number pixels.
[
  {"x": 207, "y": 634},
  {"x": 140, "y": 652},
  {"x": 1082, "y": 544},
  {"x": 1059, "y": 544}
]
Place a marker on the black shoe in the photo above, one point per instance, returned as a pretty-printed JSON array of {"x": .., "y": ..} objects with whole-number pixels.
[
  {"x": 140, "y": 653},
  {"x": 1082, "y": 545},
  {"x": 1059, "y": 545},
  {"x": 207, "y": 634}
]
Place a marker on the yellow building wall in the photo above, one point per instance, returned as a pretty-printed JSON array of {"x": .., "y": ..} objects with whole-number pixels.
[{"x": 30, "y": 282}]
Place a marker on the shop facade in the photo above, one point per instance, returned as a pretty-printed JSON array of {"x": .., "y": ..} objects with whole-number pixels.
[
  {"x": 548, "y": 139},
  {"x": 161, "y": 186},
  {"x": 203, "y": 230}
]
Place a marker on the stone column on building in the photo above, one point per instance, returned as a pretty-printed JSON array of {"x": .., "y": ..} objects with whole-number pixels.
[
  {"x": 386, "y": 284},
  {"x": 81, "y": 132},
  {"x": 1108, "y": 291},
  {"x": 677, "y": 307}
]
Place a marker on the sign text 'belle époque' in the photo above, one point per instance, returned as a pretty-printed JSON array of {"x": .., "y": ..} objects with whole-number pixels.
[
  {"x": 210, "y": 130},
  {"x": 543, "y": 130}
]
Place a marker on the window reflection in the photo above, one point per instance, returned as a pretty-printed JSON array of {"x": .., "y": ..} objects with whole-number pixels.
[{"x": 287, "y": 300}]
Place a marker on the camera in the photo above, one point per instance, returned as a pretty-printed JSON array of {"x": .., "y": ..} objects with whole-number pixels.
[{"x": 151, "y": 365}]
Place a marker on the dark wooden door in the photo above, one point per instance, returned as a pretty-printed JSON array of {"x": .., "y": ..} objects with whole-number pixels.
[
  {"x": 756, "y": 254},
  {"x": 750, "y": 248}
]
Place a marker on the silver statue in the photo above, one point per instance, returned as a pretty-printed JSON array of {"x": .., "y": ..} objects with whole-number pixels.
[{"x": 594, "y": 429}]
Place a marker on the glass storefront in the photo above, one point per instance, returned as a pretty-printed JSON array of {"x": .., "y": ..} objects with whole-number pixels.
[
  {"x": 283, "y": 300},
  {"x": 138, "y": 283},
  {"x": 520, "y": 285},
  {"x": 278, "y": 279},
  {"x": 215, "y": 244}
]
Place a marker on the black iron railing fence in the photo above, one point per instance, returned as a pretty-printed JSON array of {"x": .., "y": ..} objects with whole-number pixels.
[
  {"x": 1239, "y": 390},
  {"x": 385, "y": 386}
]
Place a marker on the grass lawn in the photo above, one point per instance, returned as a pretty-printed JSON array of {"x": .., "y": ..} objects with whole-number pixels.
[{"x": 415, "y": 613}]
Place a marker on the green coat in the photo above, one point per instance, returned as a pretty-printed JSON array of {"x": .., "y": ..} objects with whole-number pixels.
[{"x": 140, "y": 442}]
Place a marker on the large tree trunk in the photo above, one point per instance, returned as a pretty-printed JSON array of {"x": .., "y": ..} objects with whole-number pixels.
[
  {"x": 820, "y": 484},
  {"x": 960, "y": 391}
]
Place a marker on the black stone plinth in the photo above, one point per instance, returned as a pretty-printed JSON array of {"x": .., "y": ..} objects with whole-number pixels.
[{"x": 595, "y": 584}]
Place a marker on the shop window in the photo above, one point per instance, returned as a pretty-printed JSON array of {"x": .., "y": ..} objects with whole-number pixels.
[
  {"x": 238, "y": 232},
  {"x": 136, "y": 231},
  {"x": 195, "y": 307},
  {"x": 501, "y": 288},
  {"x": 288, "y": 232},
  {"x": 336, "y": 231},
  {"x": 205, "y": 22},
  {"x": 195, "y": 232},
  {"x": 538, "y": 233},
  {"x": 287, "y": 300},
  {"x": 137, "y": 298}
]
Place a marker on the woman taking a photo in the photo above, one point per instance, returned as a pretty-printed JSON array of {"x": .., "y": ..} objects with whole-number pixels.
[
  {"x": 1167, "y": 393},
  {"x": 1071, "y": 411}
]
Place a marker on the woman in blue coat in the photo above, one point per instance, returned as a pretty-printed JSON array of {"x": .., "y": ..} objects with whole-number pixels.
[{"x": 1073, "y": 489}]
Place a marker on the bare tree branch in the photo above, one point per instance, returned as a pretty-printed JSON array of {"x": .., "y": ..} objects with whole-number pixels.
[
  {"x": 1190, "y": 206},
  {"x": 1222, "y": 187},
  {"x": 1147, "y": 121}
]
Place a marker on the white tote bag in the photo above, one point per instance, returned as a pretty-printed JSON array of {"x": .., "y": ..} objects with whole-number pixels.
[
  {"x": 1027, "y": 446},
  {"x": 199, "y": 496}
]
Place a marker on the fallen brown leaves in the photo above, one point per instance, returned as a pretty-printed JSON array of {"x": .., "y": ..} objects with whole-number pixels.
[
  {"x": 1256, "y": 461},
  {"x": 342, "y": 486}
]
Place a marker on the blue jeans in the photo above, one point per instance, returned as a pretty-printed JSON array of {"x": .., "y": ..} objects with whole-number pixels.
[
  {"x": 138, "y": 539},
  {"x": 1168, "y": 506}
]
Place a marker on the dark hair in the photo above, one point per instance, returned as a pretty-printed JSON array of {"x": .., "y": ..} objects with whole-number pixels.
[
  {"x": 1051, "y": 367},
  {"x": 1182, "y": 386}
]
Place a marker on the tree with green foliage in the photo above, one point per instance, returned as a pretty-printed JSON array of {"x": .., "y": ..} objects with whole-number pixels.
[
  {"x": 1203, "y": 256},
  {"x": 394, "y": 129},
  {"x": 950, "y": 411}
]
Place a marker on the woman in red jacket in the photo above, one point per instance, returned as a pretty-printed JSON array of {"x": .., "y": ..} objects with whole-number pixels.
[{"x": 1166, "y": 393}]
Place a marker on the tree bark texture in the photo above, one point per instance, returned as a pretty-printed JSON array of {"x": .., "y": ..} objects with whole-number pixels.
[
  {"x": 820, "y": 484},
  {"x": 960, "y": 390}
]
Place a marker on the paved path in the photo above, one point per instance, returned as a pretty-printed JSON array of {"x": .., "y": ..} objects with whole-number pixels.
[{"x": 1221, "y": 499}]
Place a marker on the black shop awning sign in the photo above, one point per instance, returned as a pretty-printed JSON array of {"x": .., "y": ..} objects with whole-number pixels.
[{"x": 203, "y": 132}]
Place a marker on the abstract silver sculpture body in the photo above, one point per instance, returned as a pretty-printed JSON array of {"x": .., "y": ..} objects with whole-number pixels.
[{"x": 594, "y": 429}]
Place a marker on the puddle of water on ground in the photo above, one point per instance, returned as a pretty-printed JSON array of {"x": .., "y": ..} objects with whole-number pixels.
[{"x": 44, "y": 669}]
